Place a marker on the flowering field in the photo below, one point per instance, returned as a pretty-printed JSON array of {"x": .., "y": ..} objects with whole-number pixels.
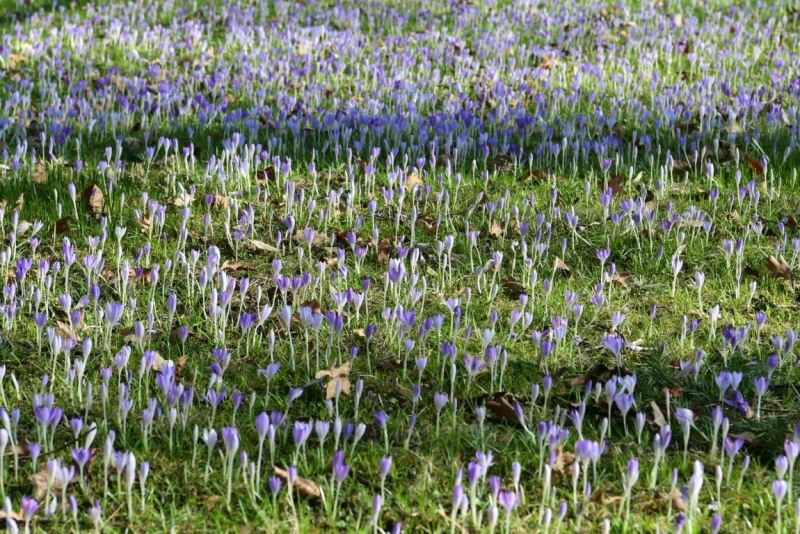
[{"x": 383, "y": 266}]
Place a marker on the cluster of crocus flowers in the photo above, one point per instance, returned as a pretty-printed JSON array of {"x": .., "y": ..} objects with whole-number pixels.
[{"x": 368, "y": 234}]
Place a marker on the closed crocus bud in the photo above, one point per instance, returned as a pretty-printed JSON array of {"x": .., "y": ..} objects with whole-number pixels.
[
  {"x": 716, "y": 523},
  {"x": 781, "y": 466},
  {"x": 779, "y": 489},
  {"x": 130, "y": 471}
]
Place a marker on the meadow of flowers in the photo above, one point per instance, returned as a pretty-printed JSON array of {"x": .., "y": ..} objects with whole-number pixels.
[{"x": 380, "y": 266}]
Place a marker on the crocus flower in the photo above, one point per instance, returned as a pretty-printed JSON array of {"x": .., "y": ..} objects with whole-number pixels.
[{"x": 761, "y": 385}]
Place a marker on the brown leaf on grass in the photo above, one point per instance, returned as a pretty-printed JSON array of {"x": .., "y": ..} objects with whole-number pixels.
[
  {"x": 234, "y": 266},
  {"x": 266, "y": 175},
  {"x": 513, "y": 287},
  {"x": 145, "y": 222},
  {"x": 39, "y": 482},
  {"x": 158, "y": 362},
  {"x": 39, "y": 175},
  {"x": 307, "y": 489},
  {"x": 428, "y": 224},
  {"x": 212, "y": 502},
  {"x": 658, "y": 417},
  {"x": 600, "y": 498},
  {"x": 616, "y": 184},
  {"x": 576, "y": 381},
  {"x": 496, "y": 229},
  {"x": 260, "y": 245},
  {"x": 221, "y": 202},
  {"x": 682, "y": 165},
  {"x": 792, "y": 222},
  {"x": 622, "y": 278},
  {"x": 536, "y": 176},
  {"x": 501, "y": 406},
  {"x": 563, "y": 268},
  {"x": 755, "y": 166},
  {"x": 143, "y": 276},
  {"x": 318, "y": 239},
  {"x": 21, "y": 201},
  {"x": 779, "y": 269},
  {"x": 181, "y": 200},
  {"x": 384, "y": 248},
  {"x": 674, "y": 392},
  {"x": 180, "y": 363},
  {"x": 501, "y": 163},
  {"x": 413, "y": 179},
  {"x": 564, "y": 460},
  {"x": 337, "y": 375},
  {"x": 94, "y": 200},
  {"x": 14, "y": 60},
  {"x": 677, "y": 500},
  {"x": 64, "y": 330},
  {"x": 62, "y": 225},
  {"x": 747, "y": 436},
  {"x": 16, "y": 516},
  {"x": 314, "y": 304},
  {"x": 546, "y": 63},
  {"x": 751, "y": 271}
]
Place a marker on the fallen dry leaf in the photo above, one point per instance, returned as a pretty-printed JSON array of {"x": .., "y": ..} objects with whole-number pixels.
[
  {"x": 513, "y": 286},
  {"x": 39, "y": 482},
  {"x": 575, "y": 381},
  {"x": 755, "y": 166},
  {"x": 658, "y": 417},
  {"x": 413, "y": 180},
  {"x": 307, "y": 489},
  {"x": 39, "y": 174},
  {"x": 622, "y": 278},
  {"x": 181, "y": 200},
  {"x": 16, "y": 516},
  {"x": 564, "y": 460},
  {"x": 94, "y": 199},
  {"x": 383, "y": 251},
  {"x": 314, "y": 304},
  {"x": 563, "y": 268},
  {"x": 503, "y": 408},
  {"x": 337, "y": 375},
  {"x": 62, "y": 225},
  {"x": 677, "y": 500},
  {"x": 496, "y": 229},
  {"x": 751, "y": 271},
  {"x": 318, "y": 239},
  {"x": 265, "y": 175},
  {"x": 779, "y": 269},
  {"x": 616, "y": 185},
  {"x": 600, "y": 498},
  {"x": 234, "y": 266},
  {"x": 747, "y": 436},
  {"x": 674, "y": 392},
  {"x": 212, "y": 502},
  {"x": 158, "y": 362},
  {"x": 222, "y": 202},
  {"x": 145, "y": 222},
  {"x": 260, "y": 245}
]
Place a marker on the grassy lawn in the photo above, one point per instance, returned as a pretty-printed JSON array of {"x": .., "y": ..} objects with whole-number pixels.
[{"x": 435, "y": 266}]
